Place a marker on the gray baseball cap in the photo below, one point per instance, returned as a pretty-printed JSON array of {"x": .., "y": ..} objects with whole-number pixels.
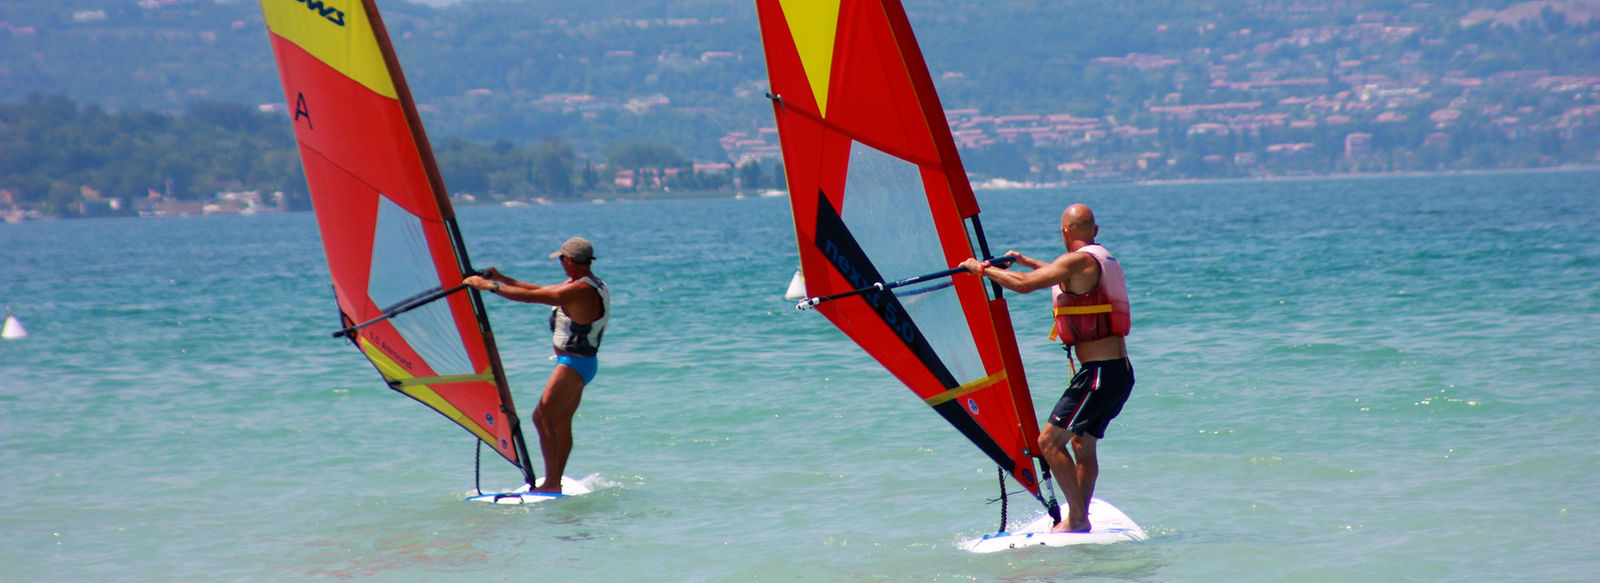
[{"x": 577, "y": 248}]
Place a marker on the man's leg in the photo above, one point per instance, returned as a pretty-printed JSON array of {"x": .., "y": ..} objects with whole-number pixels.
[
  {"x": 553, "y": 420},
  {"x": 1053, "y": 445},
  {"x": 1088, "y": 464}
]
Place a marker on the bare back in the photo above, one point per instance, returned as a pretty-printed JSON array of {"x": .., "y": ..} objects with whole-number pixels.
[{"x": 583, "y": 303}]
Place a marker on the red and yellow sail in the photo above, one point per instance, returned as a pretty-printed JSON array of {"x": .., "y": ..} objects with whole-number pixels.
[
  {"x": 385, "y": 217},
  {"x": 879, "y": 194}
]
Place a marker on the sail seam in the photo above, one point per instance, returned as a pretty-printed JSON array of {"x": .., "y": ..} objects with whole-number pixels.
[{"x": 858, "y": 138}]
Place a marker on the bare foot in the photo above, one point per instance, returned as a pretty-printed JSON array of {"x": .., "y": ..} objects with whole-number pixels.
[
  {"x": 547, "y": 487},
  {"x": 1069, "y": 526}
]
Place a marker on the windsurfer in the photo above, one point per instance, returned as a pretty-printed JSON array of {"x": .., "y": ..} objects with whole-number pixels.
[
  {"x": 581, "y": 306},
  {"x": 1092, "y": 317}
]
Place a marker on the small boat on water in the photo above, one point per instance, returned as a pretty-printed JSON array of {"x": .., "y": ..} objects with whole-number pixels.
[
  {"x": 797, "y": 287},
  {"x": 13, "y": 327}
]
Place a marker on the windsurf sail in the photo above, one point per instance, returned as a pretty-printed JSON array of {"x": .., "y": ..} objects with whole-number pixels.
[
  {"x": 879, "y": 194},
  {"x": 393, "y": 247}
]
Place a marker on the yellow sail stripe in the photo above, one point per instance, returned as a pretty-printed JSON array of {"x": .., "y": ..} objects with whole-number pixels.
[
  {"x": 336, "y": 32},
  {"x": 813, "y": 24},
  {"x": 418, "y": 388},
  {"x": 965, "y": 389},
  {"x": 386, "y": 366}
]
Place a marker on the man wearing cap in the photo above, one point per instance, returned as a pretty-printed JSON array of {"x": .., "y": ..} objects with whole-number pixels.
[{"x": 581, "y": 306}]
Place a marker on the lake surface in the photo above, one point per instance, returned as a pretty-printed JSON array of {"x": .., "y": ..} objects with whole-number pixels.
[{"x": 1378, "y": 379}]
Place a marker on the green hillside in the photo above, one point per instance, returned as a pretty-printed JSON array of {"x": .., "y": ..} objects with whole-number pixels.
[{"x": 1037, "y": 90}]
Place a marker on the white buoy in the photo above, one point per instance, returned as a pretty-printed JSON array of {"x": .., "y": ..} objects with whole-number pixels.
[
  {"x": 13, "y": 329},
  {"x": 797, "y": 287}
]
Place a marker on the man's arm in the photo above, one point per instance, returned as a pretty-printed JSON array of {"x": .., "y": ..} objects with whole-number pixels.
[
  {"x": 1025, "y": 260},
  {"x": 1043, "y": 275},
  {"x": 491, "y": 274},
  {"x": 561, "y": 294},
  {"x": 518, "y": 291}
]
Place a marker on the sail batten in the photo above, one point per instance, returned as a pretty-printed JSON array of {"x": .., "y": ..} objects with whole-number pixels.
[
  {"x": 878, "y": 192},
  {"x": 385, "y": 219}
]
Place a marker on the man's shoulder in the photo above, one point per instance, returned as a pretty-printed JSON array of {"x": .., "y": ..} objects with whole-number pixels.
[
  {"x": 586, "y": 287},
  {"x": 1075, "y": 258},
  {"x": 1080, "y": 262}
]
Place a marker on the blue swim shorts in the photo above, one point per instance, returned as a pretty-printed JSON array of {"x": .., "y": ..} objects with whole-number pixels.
[{"x": 587, "y": 366}]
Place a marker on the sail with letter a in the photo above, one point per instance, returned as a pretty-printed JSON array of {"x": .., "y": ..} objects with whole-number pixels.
[
  {"x": 393, "y": 248},
  {"x": 878, "y": 192}
]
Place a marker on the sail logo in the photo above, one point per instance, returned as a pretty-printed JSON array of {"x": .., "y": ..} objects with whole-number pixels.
[
  {"x": 833, "y": 239},
  {"x": 301, "y": 110},
  {"x": 899, "y": 321},
  {"x": 393, "y": 354},
  {"x": 327, "y": 12},
  {"x": 844, "y": 265},
  {"x": 896, "y": 318}
]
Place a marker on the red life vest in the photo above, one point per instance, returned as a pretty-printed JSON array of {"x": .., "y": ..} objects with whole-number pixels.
[{"x": 1102, "y": 313}]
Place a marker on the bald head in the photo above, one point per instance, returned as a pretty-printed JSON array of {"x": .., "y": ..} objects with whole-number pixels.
[{"x": 1077, "y": 226}]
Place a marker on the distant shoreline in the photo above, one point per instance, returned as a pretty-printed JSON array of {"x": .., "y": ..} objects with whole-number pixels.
[
  {"x": 977, "y": 187},
  {"x": 605, "y": 198},
  {"x": 1363, "y": 175},
  {"x": 1295, "y": 178}
]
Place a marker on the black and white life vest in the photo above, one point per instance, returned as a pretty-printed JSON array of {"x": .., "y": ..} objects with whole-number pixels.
[{"x": 581, "y": 339}]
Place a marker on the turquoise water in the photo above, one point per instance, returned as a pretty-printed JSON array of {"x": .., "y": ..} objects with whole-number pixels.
[{"x": 1386, "y": 379}]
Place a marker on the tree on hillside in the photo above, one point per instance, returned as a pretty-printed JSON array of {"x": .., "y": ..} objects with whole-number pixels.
[
  {"x": 464, "y": 165},
  {"x": 590, "y": 176},
  {"x": 750, "y": 175},
  {"x": 550, "y": 170},
  {"x": 779, "y": 180}
]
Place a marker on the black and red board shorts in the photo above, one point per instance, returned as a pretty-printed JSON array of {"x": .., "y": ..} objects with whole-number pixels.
[{"x": 1094, "y": 397}]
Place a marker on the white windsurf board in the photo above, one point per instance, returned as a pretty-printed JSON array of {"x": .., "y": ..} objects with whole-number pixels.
[
  {"x": 569, "y": 487},
  {"x": 1110, "y": 526}
]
